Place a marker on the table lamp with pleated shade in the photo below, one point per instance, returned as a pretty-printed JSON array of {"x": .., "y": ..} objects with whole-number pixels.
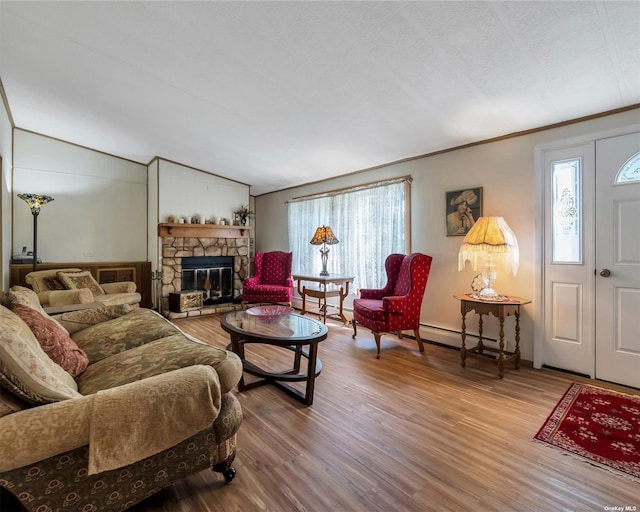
[{"x": 490, "y": 244}]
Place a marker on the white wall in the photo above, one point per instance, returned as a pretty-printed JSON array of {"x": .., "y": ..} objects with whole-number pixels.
[
  {"x": 505, "y": 170},
  {"x": 6, "y": 151},
  {"x": 184, "y": 191},
  {"x": 104, "y": 205},
  {"x": 99, "y": 212}
]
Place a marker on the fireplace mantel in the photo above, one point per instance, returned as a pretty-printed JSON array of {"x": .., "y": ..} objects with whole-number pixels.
[{"x": 202, "y": 231}]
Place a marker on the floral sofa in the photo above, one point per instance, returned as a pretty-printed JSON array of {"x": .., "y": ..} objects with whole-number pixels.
[
  {"x": 70, "y": 286},
  {"x": 120, "y": 405}
]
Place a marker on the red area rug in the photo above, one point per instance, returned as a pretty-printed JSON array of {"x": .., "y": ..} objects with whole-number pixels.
[{"x": 599, "y": 425}]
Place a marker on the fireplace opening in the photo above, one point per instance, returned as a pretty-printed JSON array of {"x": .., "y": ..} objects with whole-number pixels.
[{"x": 212, "y": 275}]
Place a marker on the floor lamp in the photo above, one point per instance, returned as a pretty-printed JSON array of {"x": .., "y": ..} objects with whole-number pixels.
[{"x": 35, "y": 202}]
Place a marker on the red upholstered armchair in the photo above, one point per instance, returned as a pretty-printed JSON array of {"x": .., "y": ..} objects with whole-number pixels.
[
  {"x": 396, "y": 307},
  {"x": 273, "y": 281}
]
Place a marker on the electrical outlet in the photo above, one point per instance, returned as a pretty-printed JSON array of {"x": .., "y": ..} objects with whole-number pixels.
[{"x": 88, "y": 254}]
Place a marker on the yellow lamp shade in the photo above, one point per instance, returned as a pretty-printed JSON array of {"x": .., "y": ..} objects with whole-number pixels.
[{"x": 490, "y": 236}]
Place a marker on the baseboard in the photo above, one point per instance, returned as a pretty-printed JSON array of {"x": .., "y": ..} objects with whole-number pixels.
[{"x": 440, "y": 336}]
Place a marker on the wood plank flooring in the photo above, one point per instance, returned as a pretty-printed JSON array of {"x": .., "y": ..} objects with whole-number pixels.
[{"x": 407, "y": 432}]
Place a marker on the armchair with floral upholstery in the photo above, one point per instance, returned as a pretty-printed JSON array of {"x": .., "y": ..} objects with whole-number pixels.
[
  {"x": 273, "y": 281},
  {"x": 396, "y": 307}
]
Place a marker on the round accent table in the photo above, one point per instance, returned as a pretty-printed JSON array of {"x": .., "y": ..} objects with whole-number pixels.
[{"x": 291, "y": 332}]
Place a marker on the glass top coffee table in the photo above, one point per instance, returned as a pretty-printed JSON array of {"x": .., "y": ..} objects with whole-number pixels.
[{"x": 291, "y": 332}]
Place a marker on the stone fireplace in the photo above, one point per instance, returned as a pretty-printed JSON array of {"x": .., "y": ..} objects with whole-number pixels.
[{"x": 231, "y": 253}]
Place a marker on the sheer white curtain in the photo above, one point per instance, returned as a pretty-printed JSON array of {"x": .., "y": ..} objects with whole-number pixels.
[{"x": 369, "y": 222}]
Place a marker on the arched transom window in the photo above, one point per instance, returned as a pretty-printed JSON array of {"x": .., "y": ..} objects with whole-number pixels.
[{"x": 630, "y": 171}]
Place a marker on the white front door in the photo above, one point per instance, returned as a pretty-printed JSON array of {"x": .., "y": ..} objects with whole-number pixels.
[
  {"x": 568, "y": 281},
  {"x": 617, "y": 347},
  {"x": 591, "y": 274}
]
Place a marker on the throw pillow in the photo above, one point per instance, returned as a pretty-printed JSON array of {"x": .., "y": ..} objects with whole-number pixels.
[
  {"x": 27, "y": 297},
  {"x": 53, "y": 283},
  {"x": 54, "y": 341},
  {"x": 22, "y": 295},
  {"x": 77, "y": 280},
  {"x": 36, "y": 279},
  {"x": 26, "y": 366},
  {"x": 74, "y": 321}
]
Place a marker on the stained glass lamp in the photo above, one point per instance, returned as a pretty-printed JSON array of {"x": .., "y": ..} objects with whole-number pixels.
[
  {"x": 35, "y": 202},
  {"x": 324, "y": 236}
]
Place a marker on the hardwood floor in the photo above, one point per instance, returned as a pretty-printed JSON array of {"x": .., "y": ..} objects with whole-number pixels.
[{"x": 407, "y": 432}]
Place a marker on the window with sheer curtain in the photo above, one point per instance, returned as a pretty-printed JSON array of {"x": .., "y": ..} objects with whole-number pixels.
[{"x": 369, "y": 221}]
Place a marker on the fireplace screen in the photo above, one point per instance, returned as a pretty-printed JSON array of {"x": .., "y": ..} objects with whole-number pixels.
[{"x": 213, "y": 275}]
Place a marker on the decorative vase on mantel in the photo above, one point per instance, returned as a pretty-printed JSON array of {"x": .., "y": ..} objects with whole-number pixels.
[{"x": 243, "y": 214}]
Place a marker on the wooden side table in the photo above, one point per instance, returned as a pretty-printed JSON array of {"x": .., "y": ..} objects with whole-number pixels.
[
  {"x": 501, "y": 310},
  {"x": 322, "y": 292}
]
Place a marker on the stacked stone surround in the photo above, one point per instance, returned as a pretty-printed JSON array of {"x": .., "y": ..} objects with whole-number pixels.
[{"x": 176, "y": 248}]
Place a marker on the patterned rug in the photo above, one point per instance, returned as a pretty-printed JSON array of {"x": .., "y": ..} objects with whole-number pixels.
[{"x": 599, "y": 425}]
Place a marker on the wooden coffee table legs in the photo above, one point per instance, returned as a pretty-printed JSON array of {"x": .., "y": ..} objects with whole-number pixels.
[{"x": 281, "y": 379}]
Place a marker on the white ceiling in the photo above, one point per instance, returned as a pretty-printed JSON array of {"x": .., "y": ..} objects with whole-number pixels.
[{"x": 276, "y": 94}]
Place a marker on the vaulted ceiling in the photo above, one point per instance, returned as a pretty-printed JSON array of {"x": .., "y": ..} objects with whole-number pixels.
[{"x": 276, "y": 94}]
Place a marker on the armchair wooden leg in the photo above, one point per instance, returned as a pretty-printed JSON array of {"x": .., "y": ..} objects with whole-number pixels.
[
  {"x": 419, "y": 339},
  {"x": 353, "y": 322},
  {"x": 377, "y": 336}
]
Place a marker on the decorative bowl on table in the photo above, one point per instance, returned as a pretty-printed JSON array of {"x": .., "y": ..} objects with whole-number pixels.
[{"x": 269, "y": 313}]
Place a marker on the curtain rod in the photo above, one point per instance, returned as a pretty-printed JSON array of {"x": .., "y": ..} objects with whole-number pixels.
[{"x": 346, "y": 190}]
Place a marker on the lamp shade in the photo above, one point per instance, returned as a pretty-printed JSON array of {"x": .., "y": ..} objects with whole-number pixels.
[
  {"x": 35, "y": 201},
  {"x": 324, "y": 235},
  {"x": 490, "y": 236}
]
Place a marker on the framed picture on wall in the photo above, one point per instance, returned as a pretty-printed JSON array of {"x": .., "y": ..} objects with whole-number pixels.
[{"x": 463, "y": 209}]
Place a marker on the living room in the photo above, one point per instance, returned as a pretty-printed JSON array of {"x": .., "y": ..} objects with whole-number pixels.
[
  {"x": 108, "y": 206},
  {"x": 112, "y": 193}
]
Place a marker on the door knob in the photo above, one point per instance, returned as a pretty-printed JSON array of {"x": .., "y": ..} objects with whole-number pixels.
[{"x": 605, "y": 272}]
